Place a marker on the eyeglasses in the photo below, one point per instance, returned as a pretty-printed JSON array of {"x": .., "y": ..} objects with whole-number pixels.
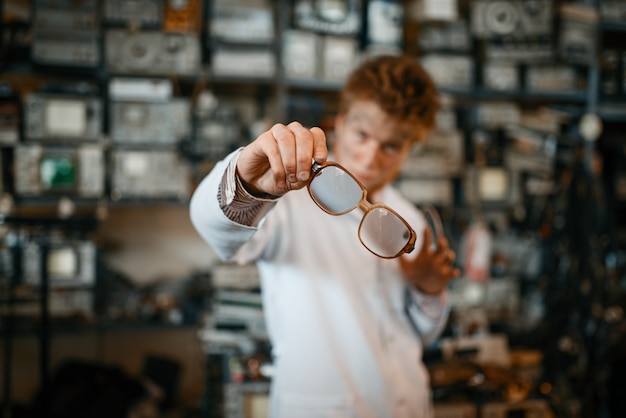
[{"x": 382, "y": 230}]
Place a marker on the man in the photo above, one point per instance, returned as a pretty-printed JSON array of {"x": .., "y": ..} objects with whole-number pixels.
[{"x": 347, "y": 327}]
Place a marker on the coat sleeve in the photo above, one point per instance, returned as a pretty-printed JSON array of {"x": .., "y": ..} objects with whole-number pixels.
[
  {"x": 224, "y": 235},
  {"x": 428, "y": 314}
]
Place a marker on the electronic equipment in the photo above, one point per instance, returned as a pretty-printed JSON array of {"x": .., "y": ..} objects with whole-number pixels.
[
  {"x": 525, "y": 50},
  {"x": 127, "y": 13},
  {"x": 612, "y": 11},
  {"x": 68, "y": 262},
  {"x": 454, "y": 410},
  {"x": 326, "y": 16},
  {"x": 528, "y": 408},
  {"x": 515, "y": 18},
  {"x": 450, "y": 71},
  {"x": 9, "y": 122},
  {"x": 610, "y": 77},
  {"x": 577, "y": 33},
  {"x": 545, "y": 78},
  {"x": 242, "y": 61},
  {"x": 242, "y": 21},
  {"x": 148, "y": 174},
  {"x": 301, "y": 54},
  {"x": 338, "y": 57},
  {"x": 441, "y": 155},
  {"x": 435, "y": 191},
  {"x": 66, "y": 33},
  {"x": 151, "y": 52},
  {"x": 54, "y": 170},
  {"x": 235, "y": 276},
  {"x": 493, "y": 115},
  {"x": 488, "y": 186},
  {"x": 149, "y": 123},
  {"x": 452, "y": 36},
  {"x": 182, "y": 16},
  {"x": 56, "y": 117},
  {"x": 217, "y": 133},
  {"x": 501, "y": 76},
  {"x": 384, "y": 23},
  {"x": 141, "y": 89}
]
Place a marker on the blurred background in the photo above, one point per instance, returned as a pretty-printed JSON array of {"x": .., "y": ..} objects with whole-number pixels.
[{"x": 112, "y": 111}]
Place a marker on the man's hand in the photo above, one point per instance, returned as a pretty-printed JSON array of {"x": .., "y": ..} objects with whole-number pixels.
[
  {"x": 279, "y": 160},
  {"x": 432, "y": 269}
]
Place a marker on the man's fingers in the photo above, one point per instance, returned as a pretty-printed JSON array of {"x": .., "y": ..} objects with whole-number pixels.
[
  {"x": 320, "y": 150},
  {"x": 303, "y": 151},
  {"x": 286, "y": 142}
]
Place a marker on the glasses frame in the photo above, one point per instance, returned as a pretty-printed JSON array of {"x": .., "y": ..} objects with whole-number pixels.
[{"x": 364, "y": 205}]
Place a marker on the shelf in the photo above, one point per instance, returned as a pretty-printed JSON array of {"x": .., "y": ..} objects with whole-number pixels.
[
  {"x": 614, "y": 112},
  {"x": 612, "y": 26},
  {"x": 516, "y": 95},
  {"x": 319, "y": 85}
]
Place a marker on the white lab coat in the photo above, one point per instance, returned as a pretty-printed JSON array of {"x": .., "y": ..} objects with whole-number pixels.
[{"x": 342, "y": 343}]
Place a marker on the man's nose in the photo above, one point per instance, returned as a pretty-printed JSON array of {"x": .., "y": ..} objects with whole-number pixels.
[{"x": 371, "y": 152}]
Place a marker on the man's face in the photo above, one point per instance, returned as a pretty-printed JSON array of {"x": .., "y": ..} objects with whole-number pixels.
[{"x": 371, "y": 145}]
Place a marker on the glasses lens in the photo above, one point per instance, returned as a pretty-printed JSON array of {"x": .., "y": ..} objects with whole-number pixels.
[
  {"x": 384, "y": 233},
  {"x": 335, "y": 191}
]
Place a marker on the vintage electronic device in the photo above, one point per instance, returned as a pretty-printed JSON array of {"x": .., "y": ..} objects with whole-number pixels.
[
  {"x": 545, "y": 78},
  {"x": 300, "y": 57},
  {"x": 339, "y": 55},
  {"x": 183, "y": 16},
  {"x": 59, "y": 170},
  {"x": 217, "y": 133},
  {"x": 501, "y": 76},
  {"x": 435, "y": 191},
  {"x": 493, "y": 115},
  {"x": 434, "y": 10},
  {"x": 441, "y": 155},
  {"x": 148, "y": 174},
  {"x": 515, "y": 18},
  {"x": 66, "y": 33},
  {"x": 141, "y": 13},
  {"x": 337, "y": 17},
  {"x": 451, "y": 36},
  {"x": 248, "y": 399},
  {"x": 525, "y": 50},
  {"x": 68, "y": 262},
  {"x": 450, "y": 71},
  {"x": 242, "y": 21},
  {"x": 529, "y": 408},
  {"x": 151, "y": 52},
  {"x": 454, "y": 410},
  {"x": 141, "y": 89},
  {"x": 385, "y": 23},
  {"x": 57, "y": 117},
  {"x": 612, "y": 11},
  {"x": 610, "y": 78},
  {"x": 149, "y": 123},
  {"x": 235, "y": 276},
  {"x": 7, "y": 266},
  {"x": 577, "y": 33},
  {"x": 488, "y": 186},
  {"x": 247, "y": 62},
  {"x": 9, "y": 122}
]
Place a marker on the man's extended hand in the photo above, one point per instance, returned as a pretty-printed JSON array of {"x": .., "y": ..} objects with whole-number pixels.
[
  {"x": 279, "y": 160},
  {"x": 432, "y": 269}
]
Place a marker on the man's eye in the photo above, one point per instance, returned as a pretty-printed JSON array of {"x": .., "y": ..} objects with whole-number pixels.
[{"x": 392, "y": 148}]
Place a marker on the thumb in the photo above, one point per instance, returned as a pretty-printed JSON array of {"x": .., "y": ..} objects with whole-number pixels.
[{"x": 428, "y": 239}]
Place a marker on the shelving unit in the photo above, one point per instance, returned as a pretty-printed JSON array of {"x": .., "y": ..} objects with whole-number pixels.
[{"x": 250, "y": 99}]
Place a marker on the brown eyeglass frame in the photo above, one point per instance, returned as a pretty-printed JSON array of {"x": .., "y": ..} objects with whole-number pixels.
[{"x": 364, "y": 205}]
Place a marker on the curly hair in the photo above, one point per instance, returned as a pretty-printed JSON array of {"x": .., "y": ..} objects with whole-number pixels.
[{"x": 398, "y": 84}]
